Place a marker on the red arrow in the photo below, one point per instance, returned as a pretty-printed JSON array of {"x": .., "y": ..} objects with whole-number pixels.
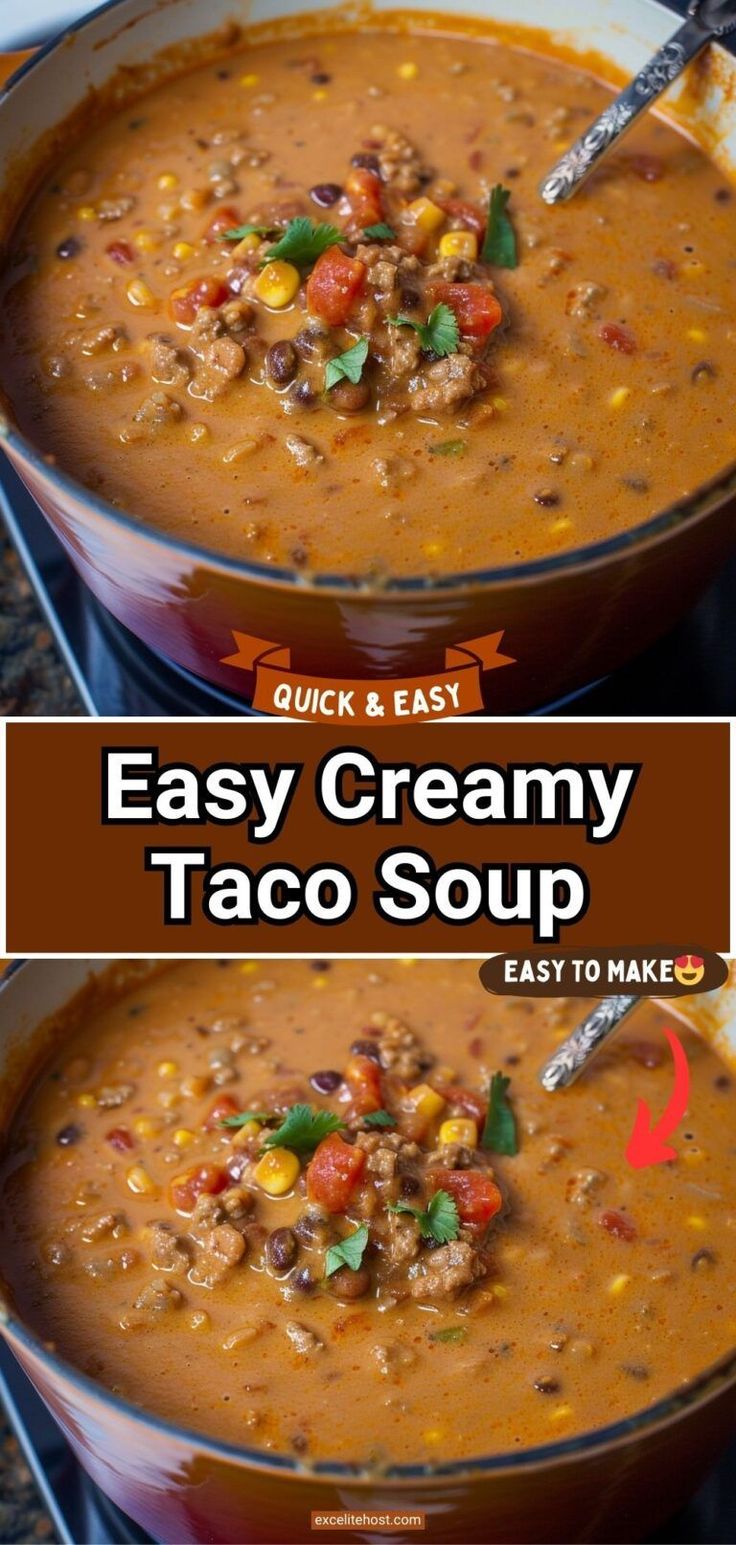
[{"x": 647, "y": 1142}]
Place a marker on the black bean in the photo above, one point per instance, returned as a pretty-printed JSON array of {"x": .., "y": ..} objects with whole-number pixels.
[
  {"x": 547, "y": 1386},
  {"x": 68, "y": 1136},
  {"x": 303, "y": 394},
  {"x": 321, "y": 78},
  {"x": 547, "y": 498},
  {"x": 365, "y": 159},
  {"x": 705, "y": 371},
  {"x": 638, "y": 1371},
  {"x": 349, "y": 396},
  {"x": 409, "y": 297},
  {"x": 320, "y": 965},
  {"x": 223, "y": 74},
  {"x": 281, "y": 361},
  {"x": 325, "y": 194},
  {"x": 304, "y": 1281},
  {"x": 326, "y": 1081},
  {"x": 282, "y": 1249},
  {"x": 722, "y": 1081},
  {"x": 410, "y": 1186},
  {"x": 638, "y": 485},
  {"x": 703, "y": 1259},
  {"x": 68, "y": 248},
  {"x": 722, "y": 195},
  {"x": 348, "y": 1284},
  {"x": 365, "y": 1048},
  {"x": 313, "y": 1228}
]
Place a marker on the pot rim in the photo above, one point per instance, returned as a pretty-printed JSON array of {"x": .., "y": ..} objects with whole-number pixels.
[
  {"x": 700, "y": 503},
  {"x": 663, "y": 1413}
]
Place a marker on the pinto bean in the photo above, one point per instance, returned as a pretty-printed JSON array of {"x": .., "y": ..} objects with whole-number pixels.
[
  {"x": 349, "y": 1284},
  {"x": 350, "y": 396}
]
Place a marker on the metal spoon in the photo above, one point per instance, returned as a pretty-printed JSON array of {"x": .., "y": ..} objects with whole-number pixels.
[
  {"x": 571, "y": 1057},
  {"x": 707, "y": 19}
]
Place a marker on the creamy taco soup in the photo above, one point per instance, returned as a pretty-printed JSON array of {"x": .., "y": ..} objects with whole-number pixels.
[
  {"x": 305, "y": 306},
  {"x": 327, "y": 1209}
]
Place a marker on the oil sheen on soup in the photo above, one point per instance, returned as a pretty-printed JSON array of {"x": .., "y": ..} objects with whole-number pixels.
[
  {"x": 427, "y": 376},
  {"x": 300, "y": 1207}
]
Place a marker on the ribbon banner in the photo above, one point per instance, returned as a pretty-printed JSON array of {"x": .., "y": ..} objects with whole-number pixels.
[{"x": 279, "y": 690}]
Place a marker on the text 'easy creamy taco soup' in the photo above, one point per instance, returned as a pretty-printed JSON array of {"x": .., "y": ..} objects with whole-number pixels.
[
  {"x": 328, "y": 1210},
  {"x": 305, "y": 306}
]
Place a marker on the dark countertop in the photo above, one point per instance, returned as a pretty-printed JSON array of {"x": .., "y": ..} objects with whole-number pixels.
[
  {"x": 22, "y": 1519},
  {"x": 32, "y": 677}
]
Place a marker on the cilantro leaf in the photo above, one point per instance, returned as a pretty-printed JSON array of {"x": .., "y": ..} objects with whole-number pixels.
[
  {"x": 242, "y": 1119},
  {"x": 303, "y": 1128},
  {"x": 379, "y": 1118},
  {"x": 450, "y": 1333},
  {"x": 349, "y": 1252},
  {"x": 440, "y": 1220},
  {"x": 380, "y": 232},
  {"x": 499, "y": 245},
  {"x": 238, "y": 232},
  {"x": 440, "y": 333},
  {"x": 499, "y": 1132},
  {"x": 347, "y": 366},
  {"x": 448, "y": 448},
  {"x": 302, "y": 242}
]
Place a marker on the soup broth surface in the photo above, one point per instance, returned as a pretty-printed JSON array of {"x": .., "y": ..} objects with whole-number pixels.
[{"x": 588, "y": 387}]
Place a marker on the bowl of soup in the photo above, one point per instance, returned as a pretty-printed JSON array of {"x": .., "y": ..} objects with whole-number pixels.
[
  {"x": 294, "y": 355},
  {"x": 290, "y": 1236}
]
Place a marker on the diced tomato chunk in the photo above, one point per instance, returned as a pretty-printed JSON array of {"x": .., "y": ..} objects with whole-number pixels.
[
  {"x": 465, "y": 214},
  {"x": 477, "y": 310},
  {"x": 615, "y": 1223},
  {"x": 223, "y": 1106},
  {"x": 185, "y": 1188},
  {"x": 363, "y": 189},
  {"x": 471, "y": 1103},
  {"x": 120, "y": 1139},
  {"x": 618, "y": 337},
  {"x": 363, "y": 1078},
  {"x": 185, "y": 302},
  {"x": 334, "y": 1173},
  {"x": 477, "y": 1197},
  {"x": 334, "y": 285},
  {"x": 120, "y": 251},
  {"x": 226, "y": 219}
]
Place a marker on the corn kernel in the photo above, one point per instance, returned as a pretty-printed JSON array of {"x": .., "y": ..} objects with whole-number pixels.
[
  {"x": 249, "y": 966},
  {"x": 500, "y": 1290},
  {"x": 87, "y": 212},
  {"x": 182, "y": 250},
  {"x": 167, "y": 181},
  {"x": 243, "y": 1135},
  {"x": 619, "y": 397},
  {"x": 407, "y": 960},
  {"x": 139, "y": 1181},
  {"x": 697, "y": 334},
  {"x": 408, "y": 71},
  {"x": 146, "y": 1126},
  {"x": 318, "y": 982},
  {"x": 146, "y": 241},
  {"x": 560, "y": 1413},
  {"x": 277, "y": 284},
  {"x": 426, "y": 1101},
  {"x": 693, "y": 1156},
  {"x": 500, "y": 404},
  {"x": 320, "y": 95},
  {"x": 86, "y": 1100},
  {"x": 139, "y": 294},
  {"x": 433, "y": 1435},
  {"x": 432, "y": 549},
  {"x": 248, "y": 244},
  {"x": 696, "y": 1221},
  {"x": 619, "y": 1284},
  {"x": 425, "y": 214},
  {"x": 195, "y": 198},
  {"x": 249, "y": 80},
  {"x": 462, "y": 244},
  {"x": 183, "y": 1137},
  {"x": 277, "y": 1172},
  {"x": 563, "y": 524},
  {"x": 167, "y": 1069},
  {"x": 460, "y": 1129}
]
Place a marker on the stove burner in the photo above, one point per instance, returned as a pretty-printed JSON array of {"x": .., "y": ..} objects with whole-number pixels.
[{"x": 689, "y": 672}]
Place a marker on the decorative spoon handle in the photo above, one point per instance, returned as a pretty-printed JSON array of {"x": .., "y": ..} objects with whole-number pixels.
[
  {"x": 580, "y": 1047},
  {"x": 707, "y": 19}
]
